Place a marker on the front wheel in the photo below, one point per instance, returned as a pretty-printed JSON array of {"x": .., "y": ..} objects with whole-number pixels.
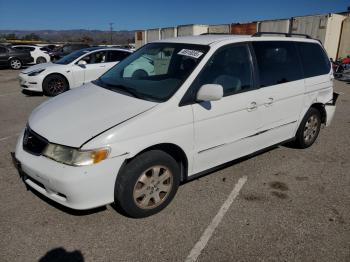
[
  {"x": 309, "y": 128},
  {"x": 147, "y": 184},
  {"x": 54, "y": 85},
  {"x": 15, "y": 63}
]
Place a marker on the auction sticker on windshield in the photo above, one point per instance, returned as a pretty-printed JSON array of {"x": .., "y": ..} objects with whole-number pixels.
[{"x": 191, "y": 53}]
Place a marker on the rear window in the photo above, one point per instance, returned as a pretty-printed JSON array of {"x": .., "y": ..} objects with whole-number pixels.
[
  {"x": 114, "y": 56},
  {"x": 315, "y": 61},
  {"x": 277, "y": 62}
]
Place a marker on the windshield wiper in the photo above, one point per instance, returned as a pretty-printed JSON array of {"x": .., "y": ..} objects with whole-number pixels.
[{"x": 123, "y": 88}]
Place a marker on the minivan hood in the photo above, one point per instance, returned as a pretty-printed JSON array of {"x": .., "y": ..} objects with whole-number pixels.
[
  {"x": 39, "y": 66},
  {"x": 76, "y": 116}
]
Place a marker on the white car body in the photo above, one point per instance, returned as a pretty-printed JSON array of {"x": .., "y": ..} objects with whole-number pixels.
[
  {"x": 35, "y": 52},
  {"x": 76, "y": 75},
  {"x": 208, "y": 134}
]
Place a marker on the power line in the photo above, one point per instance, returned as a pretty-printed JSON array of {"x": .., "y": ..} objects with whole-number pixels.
[{"x": 111, "y": 31}]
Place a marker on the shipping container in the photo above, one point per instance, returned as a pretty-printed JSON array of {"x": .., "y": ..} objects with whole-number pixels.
[
  {"x": 244, "y": 29},
  {"x": 325, "y": 28},
  {"x": 219, "y": 29},
  {"x": 153, "y": 35},
  {"x": 168, "y": 32},
  {"x": 344, "y": 46},
  {"x": 279, "y": 26},
  {"x": 140, "y": 38},
  {"x": 187, "y": 30}
]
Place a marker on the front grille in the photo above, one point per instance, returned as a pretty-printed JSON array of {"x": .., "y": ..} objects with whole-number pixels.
[{"x": 33, "y": 143}]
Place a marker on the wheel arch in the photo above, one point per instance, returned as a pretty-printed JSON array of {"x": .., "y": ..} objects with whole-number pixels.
[
  {"x": 322, "y": 110},
  {"x": 55, "y": 73},
  {"x": 174, "y": 151}
]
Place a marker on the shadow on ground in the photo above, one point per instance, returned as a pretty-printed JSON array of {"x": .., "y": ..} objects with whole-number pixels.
[{"x": 60, "y": 254}]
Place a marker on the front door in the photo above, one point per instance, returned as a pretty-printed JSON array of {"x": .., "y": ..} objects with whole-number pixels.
[
  {"x": 226, "y": 129},
  {"x": 95, "y": 66}
]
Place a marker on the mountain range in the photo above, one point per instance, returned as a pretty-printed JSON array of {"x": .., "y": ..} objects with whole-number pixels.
[{"x": 75, "y": 35}]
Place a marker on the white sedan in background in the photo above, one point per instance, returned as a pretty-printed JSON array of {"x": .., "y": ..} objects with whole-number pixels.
[
  {"x": 39, "y": 54},
  {"x": 71, "y": 71}
]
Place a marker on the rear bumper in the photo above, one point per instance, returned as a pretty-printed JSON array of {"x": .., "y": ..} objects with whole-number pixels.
[
  {"x": 74, "y": 187},
  {"x": 330, "y": 109}
]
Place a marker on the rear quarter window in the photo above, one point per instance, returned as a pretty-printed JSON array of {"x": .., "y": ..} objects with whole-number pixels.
[
  {"x": 278, "y": 62},
  {"x": 314, "y": 59}
]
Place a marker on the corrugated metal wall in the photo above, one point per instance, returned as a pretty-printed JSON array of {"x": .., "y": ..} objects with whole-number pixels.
[
  {"x": 153, "y": 35},
  {"x": 219, "y": 29},
  {"x": 244, "y": 29},
  {"x": 314, "y": 26},
  {"x": 280, "y": 26},
  {"x": 187, "y": 30},
  {"x": 168, "y": 32},
  {"x": 344, "y": 46}
]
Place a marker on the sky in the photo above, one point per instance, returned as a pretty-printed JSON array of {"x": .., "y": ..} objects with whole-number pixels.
[{"x": 136, "y": 14}]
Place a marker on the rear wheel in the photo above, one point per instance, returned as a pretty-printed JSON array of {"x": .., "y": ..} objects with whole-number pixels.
[
  {"x": 15, "y": 63},
  {"x": 41, "y": 60},
  {"x": 54, "y": 85},
  {"x": 309, "y": 128},
  {"x": 147, "y": 184}
]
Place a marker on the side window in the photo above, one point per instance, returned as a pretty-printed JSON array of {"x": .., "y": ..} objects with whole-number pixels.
[
  {"x": 278, "y": 62},
  {"x": 2, "y": 50},
  {"x": 116, "y": 56},
  {"x": 95, "y": 58},
  {"x": 315, "y": 61},
  {"x": 230, "y": 67}
]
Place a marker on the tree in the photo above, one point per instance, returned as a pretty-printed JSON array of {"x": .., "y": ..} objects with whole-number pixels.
[{"x": 32, "y": 37}]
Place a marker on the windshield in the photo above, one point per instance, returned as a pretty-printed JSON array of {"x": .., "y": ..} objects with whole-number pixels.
[
  {"x": 155, "y": 72},
  {"x": 71, "y": 57}
]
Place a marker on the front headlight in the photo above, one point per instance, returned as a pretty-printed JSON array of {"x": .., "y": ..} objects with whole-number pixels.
[
  {"x": 75, "y": 157},
  {"x": 36, "y": 72}
]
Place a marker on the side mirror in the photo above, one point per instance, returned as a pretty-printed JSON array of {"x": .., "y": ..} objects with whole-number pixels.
[
  {"x": 210, "y": 92},
  {"x": 82, "y": 63}
]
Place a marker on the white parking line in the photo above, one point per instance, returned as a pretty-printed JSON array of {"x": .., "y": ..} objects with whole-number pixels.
[
  {"x": 8, "y": 137},
  {"x": 200, "y": 245}
]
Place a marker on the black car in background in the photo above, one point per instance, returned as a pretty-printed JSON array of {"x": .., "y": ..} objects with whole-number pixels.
[
  {"x": 65, "y": 50},
  {"x": 14, "y": 58}
]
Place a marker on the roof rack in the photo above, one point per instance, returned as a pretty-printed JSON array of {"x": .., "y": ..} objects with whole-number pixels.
[{"x": 258, "y": 34}]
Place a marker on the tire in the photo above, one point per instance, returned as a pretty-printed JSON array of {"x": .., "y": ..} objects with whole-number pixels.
[
  {"x": 15, "y": 63},
  {"x": 41, "y": 60},
  {"x": 309, "y": 129},
  {"x": 138, "y": 185},
  {"x": 54, "y": 85}
]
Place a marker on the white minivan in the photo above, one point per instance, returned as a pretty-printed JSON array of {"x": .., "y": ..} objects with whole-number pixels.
[{"x": 132, "y": 138}]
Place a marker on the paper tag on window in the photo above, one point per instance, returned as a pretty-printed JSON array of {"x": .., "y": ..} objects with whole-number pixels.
[{"x": 191, "y": 53}]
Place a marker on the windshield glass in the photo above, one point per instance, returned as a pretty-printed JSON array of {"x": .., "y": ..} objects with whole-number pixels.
[
  {"x": 71, "y": 57},
  {"x": 155, "y": 72}
]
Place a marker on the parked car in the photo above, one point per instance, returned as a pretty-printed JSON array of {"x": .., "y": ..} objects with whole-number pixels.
[
  {"x": 40, "y": 54},
  {"x": 14, "y": 58},
  {"x": 66, "y": 49},
  {"x": 71, "y": 71},
  {"x": 212, "y": 99}
]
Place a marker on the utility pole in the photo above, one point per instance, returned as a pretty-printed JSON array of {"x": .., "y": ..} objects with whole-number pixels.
[{"x": 111, "y": 29}]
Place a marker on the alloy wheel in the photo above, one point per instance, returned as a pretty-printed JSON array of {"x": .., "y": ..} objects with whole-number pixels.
[
  {"x": 311, "y": 128},
  {"x": 153, "y": 187}
]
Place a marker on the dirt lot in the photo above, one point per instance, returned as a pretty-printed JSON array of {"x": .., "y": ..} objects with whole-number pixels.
[{"x": 294, "y": 205}]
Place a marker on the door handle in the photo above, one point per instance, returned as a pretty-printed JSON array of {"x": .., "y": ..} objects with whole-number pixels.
[
  {"x": 252, "y": 106},
  {"x": 269, "y": 101}
]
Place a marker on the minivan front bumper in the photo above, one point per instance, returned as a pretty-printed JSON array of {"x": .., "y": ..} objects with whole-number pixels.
[{"x": 79, "y": 188}]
